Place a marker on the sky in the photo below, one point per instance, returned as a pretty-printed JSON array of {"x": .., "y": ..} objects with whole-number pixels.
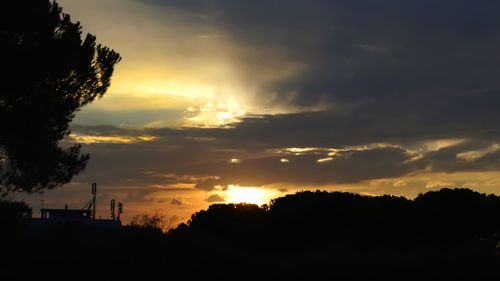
[{"x": 219, "y": 101}]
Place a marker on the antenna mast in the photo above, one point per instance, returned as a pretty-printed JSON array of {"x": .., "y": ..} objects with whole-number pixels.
[
  {"x": 94, "y": 192},
  {"x": 113, "y": 216},
  {"x": 120, "y": 210}
]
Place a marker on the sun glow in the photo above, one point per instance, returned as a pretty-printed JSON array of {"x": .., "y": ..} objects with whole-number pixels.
[
  {"x": 252, "y": 195},
  {"x": 215, "y": 113}
]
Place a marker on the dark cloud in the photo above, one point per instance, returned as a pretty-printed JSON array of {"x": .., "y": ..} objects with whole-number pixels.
[
  {"x": 390, "y": 72},
  {"x": 345, "y": 167},
  {"x": 394, "y": 73},
  {"x": 355, "y": 51},
  {"x": 215, "y": 198},
  {"x": 472, "y": 117},
  {"x": 469, "y": 156},
  {"x": 348, "y": 155},
  {"x": 140, "y": 194},
  {"x": 176, "y": 202}
]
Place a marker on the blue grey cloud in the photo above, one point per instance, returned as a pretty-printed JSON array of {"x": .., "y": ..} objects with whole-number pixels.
[{"x": 363, "y": 51}]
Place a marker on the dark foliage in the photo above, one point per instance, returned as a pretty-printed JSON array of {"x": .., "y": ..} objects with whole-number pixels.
[
  {"x": 48, "y": 73},
  {"x": 447, "y": 234},
  {"x": 157, "y": 221}
]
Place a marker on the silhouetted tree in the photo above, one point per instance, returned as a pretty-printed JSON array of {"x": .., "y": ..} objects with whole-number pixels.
[
  {"x": 450, "y": 233},
  {"x": 48, "y": 73}
]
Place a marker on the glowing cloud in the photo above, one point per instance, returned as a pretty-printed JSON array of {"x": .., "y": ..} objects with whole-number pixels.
[
  {"x": 476, "y": 154},
  {"x": 88, "y": 139},
  {"x": 234, "y": 161},
  {"x": 323, "y": 160}
]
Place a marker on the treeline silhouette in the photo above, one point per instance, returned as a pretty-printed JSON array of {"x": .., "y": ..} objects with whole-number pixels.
[{"x": 447, "y": 234}]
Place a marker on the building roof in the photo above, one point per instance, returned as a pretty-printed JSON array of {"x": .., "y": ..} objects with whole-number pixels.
[{"x": 74, "y": 211}]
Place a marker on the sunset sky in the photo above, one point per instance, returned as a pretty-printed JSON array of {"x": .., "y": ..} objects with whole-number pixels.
[{"x": 233, "y": 100}]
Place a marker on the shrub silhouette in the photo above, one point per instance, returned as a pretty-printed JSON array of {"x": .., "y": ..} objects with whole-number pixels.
[
  {"x": 14, "y": 210},
  {"x": 157, "y": 221}
]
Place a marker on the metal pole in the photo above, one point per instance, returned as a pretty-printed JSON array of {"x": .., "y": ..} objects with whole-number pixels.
[
  {"x": 113, "y": 209},
  {"x": 94, "y": 192}
]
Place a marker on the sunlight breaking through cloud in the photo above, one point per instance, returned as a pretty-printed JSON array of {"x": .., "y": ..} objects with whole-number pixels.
[{"x": 88, "y": 139}]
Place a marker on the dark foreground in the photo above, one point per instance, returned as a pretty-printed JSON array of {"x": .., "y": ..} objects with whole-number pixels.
[{"x": 443, "y": 235}]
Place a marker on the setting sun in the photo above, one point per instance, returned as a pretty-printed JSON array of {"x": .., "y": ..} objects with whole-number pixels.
[{"x": 252, "y": 195}]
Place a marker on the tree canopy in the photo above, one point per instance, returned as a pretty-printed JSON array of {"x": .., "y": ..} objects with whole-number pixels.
[{"x": 49, "y": 71}]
